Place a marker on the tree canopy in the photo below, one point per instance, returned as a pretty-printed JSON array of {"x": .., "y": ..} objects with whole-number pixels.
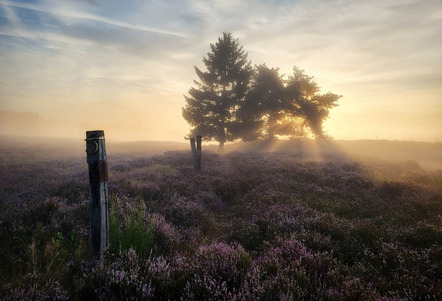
[
  {"x": 313, "y": 107},
  {"x": 234, "y": 101}
]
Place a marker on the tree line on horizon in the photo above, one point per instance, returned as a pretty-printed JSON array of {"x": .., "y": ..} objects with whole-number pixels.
[{"x": 234, "y": 101}]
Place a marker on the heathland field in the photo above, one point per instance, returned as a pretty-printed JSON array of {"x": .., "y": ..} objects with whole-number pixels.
[{"x": 310, "y": 222}]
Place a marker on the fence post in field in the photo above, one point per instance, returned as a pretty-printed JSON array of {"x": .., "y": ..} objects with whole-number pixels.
[
  {"x": 198, "y": 153},
  {"x": 98, "y": 195},
  {"x": 192, "y": 146}
]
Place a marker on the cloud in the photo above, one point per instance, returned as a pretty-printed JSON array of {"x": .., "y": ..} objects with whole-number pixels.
[
  {"x": 62, "y": 12},
  {"x": 11, "y": 15},
  {"x": 66, "y": 54}
]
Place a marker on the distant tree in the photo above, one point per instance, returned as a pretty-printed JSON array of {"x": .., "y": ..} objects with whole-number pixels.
[
  {"x": 312, "y": 107},
  {"x": 211, "y": 107}
]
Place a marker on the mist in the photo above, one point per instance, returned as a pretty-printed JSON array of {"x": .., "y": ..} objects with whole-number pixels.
[
  {"x": 121, "y": 123},
  {"x": 425, "y": 155}
]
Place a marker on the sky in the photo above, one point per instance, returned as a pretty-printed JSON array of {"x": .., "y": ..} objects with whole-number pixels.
[{"x": 124, "y": 66}]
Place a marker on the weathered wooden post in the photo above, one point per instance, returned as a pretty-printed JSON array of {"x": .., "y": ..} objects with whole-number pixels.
[
  {"x": 98, "y": 195},
  {"x": 198, "y": 153},
  {"x": 192, "y": 146}
]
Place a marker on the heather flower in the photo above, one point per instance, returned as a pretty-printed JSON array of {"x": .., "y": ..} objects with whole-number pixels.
[
  {"x": 249, "y": 226},
  {"x": 117, "y": 278},
  {"x": 36, "y": 287}
]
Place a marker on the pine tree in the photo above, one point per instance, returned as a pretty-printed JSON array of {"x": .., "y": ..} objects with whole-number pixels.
[{"x": 211, "y": 107}]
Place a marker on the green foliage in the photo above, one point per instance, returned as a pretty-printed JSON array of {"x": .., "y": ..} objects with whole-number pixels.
[
  {"x": 131, "y": 234},
  {"x": 59, "y": 238}
]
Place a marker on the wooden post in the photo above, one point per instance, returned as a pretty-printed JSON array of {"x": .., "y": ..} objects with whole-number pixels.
[
  {"x": 192, "y": 146},
  {"x": 198, "y": 153},
  {"x": 98, "y": 195}
]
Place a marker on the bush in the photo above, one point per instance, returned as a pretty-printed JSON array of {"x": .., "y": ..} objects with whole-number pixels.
[
  {"x": 130, "y": 232},
  {"x": 117, "y": 278},
  {"x": 218, "y": 273}
]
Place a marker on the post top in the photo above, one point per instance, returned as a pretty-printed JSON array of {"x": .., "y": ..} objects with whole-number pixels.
[{"x": 95, "y": 134}]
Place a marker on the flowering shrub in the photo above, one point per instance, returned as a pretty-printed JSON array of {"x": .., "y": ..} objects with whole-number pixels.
[
  {"x": 291, "y": 272},
  {"x": 217, "y": 272},
  {"x": 249, "y": 226},
  {"x": 35, "y": 287},
  {"x": 118, "y": 278},
  {"x": 166, "y": 237}
]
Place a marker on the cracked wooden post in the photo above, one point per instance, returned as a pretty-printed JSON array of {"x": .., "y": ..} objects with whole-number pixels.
[
  {"x": 198, "y": 153},
  {"x": 192, "y": 146},
  {"x": 98, "y": 194}
]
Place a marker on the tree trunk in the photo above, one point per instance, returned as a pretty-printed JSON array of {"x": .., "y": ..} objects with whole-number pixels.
[
  {"x": 222, "y": 134},
  {"x": 221, "y": 146},
  {"x": 271, "y": 127}
]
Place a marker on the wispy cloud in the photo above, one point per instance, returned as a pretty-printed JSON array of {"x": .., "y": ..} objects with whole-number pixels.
[
  {"x": 141, "y": 53},
  {"x": 64, "y": 13}
]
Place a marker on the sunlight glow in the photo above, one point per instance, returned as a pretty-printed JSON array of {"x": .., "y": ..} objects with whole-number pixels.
[{"x": 71, "y": 66}]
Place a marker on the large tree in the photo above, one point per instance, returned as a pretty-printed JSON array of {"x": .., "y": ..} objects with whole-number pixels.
[
  {"x": 211, "y": 107},
  {"x": 278, "y": 107},
  {"x": 267, "y": 105},
  {"x": 312, "y": 107}
]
